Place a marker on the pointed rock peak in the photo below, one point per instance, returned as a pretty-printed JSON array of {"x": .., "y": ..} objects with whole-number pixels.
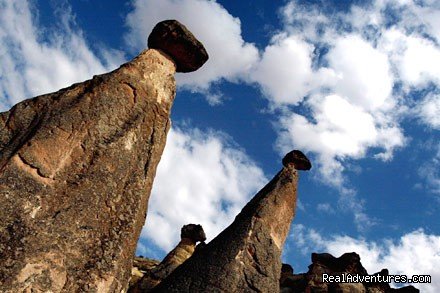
[
  {"x": 297, "y": 159},
  {"x": 246, "y": 256},
  {"x": 173, "y": 38}
]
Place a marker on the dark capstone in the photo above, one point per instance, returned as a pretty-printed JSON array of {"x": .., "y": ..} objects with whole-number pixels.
[
  {"x": 298, "y": 159},
  {"x": 193, "y": 231},
  {"x": 179, "y": 43}
]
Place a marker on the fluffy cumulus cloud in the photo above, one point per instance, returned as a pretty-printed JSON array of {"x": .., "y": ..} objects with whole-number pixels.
[
  {"x": 344, "y": 66},
  {"x": 33, "y": 64},
  {"x": 415, "y": 253},
  {"x": 368, "y": 69},
  {"x": 363, "y": 72},
  {"x": 201, "y": 179},
  {"x": 230, "y": 57},
  {"x": 284, "y": 72}
]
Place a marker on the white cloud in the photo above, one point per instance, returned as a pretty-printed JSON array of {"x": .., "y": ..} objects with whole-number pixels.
[
  {"x": 364, "y": 84},
  {"x": 429, "y": 110},
  {"x": 230, "y": 57},
  {"x": 285, "y": 72},
  {"x": 363, "y": 71},
  {"x": 415, "y": 253},
  {"x": 338, "y": 130},
  {"x": 32, "y": 64},
  {"x": 416, "y": 59},
  {"x": 201, "y": 179}
]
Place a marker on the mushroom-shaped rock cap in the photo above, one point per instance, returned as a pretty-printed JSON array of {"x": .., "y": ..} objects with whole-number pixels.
[
  {"x": 179, "y": 43},
  {"x": 193, "y": 231},
  {"x": 298, "y": 160}
]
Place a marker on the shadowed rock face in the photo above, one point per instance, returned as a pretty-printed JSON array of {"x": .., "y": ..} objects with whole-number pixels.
[
  {"x": 76, "y": 170},
  {"x": 245, "y": 257}
]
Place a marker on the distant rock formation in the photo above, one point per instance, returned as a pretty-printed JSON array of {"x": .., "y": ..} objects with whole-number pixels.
[
  {"x": 190, "y": 235},
  {"x": 325, "y": 263},
  {"x": 246, "y": 256},
  {"x": 312, "y": 280},
  {"x": 76, "y": 170}
]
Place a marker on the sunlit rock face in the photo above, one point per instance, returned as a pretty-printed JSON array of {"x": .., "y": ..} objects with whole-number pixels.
[{"x": 76, "y": 170}]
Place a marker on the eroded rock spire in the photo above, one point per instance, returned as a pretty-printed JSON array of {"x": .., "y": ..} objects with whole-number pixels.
[
  {"x": 245, "y": 257},
  {"x": 76, "y": 170}
]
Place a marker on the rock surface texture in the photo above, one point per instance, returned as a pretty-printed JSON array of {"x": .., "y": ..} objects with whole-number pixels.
[
  {"x": 245, "y": 257},
  {"x": 76, "y": 170}
]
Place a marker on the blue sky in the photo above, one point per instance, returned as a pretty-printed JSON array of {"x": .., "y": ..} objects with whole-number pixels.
[{"x": 353, "y": 84}]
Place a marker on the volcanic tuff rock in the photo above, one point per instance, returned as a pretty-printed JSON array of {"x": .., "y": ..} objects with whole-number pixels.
[
  {"x": 76, "y": 169},
  {"x": 190, "y": 235},
  {"x": 246, "y": 256}
]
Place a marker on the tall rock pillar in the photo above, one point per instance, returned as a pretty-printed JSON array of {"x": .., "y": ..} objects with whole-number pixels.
[
  {"x": 246, "y": 256},
  {"x": 76, "y": 170}
]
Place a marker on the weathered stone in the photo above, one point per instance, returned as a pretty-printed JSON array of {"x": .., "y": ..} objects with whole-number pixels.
[
  {"x": 298, "y": 160},
  {"x": 76, "y": 170},
  {"x": 177, "y": 41},
  {"x": 246, "y": 255},
  {"x": 190, "y": 235},
  {"x": 141, "y": 267}
]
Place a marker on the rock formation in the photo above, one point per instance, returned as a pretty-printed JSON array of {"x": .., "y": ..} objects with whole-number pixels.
[
  {"x": 312, "y": 280},
  {"x": 190, "y": 235},
  {"x": 76, "y": 169},
  {"x": 246, "y": 255},
  {"x": 325, "y": 263}
]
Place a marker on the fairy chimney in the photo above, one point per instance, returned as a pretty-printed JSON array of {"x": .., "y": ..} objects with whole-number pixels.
[
  {"x": 76, "y": 170},
  {"x": 246, "y": 256}
]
